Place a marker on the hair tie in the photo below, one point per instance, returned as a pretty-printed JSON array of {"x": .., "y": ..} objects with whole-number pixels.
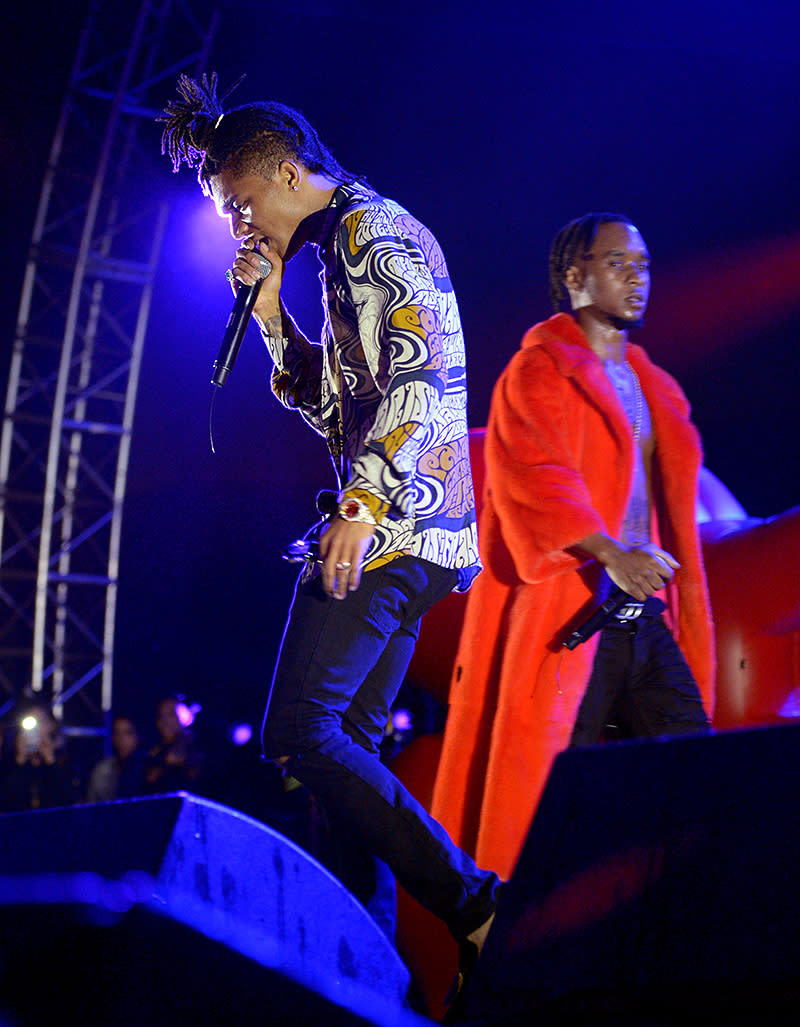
[{"x": 216, "y": 123}]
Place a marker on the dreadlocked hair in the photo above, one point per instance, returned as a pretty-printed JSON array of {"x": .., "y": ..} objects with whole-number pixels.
[
  {"x": 251, "y": 139},
  {"x": 574, "y": 241}
]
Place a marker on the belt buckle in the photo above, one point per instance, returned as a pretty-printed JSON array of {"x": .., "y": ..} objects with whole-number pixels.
[{"x": 630, "y": 611}]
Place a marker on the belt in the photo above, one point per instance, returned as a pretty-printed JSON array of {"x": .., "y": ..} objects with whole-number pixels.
[{"x": 651, "y": 607}]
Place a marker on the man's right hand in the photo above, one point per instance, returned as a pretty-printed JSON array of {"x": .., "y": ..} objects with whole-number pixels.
[
  {"x": 638, "y": 570},
  {"x": 247, "y": 271}
]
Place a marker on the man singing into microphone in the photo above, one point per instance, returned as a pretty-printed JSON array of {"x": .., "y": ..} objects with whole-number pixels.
[
  {"x": 386, "y": 389},
  {"x": 591, "y": 480}
]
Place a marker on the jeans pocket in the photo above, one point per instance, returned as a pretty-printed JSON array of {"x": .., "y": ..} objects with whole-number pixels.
[{"x": 383, "y": 611}]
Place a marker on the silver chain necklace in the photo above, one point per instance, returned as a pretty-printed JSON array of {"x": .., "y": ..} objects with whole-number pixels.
[{"x": 622, "y": 375}]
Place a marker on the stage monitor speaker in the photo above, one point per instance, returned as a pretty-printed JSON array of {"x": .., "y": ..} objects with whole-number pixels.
[
  {"x": 174, "y": 909},
  {"x": 659, "y": 884}
]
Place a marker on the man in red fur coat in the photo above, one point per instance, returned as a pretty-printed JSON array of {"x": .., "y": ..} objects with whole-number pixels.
[{"x": 591, "y": 481}]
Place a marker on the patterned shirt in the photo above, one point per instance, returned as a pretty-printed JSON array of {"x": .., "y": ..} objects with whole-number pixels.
[{"x": 387, "y": 385}]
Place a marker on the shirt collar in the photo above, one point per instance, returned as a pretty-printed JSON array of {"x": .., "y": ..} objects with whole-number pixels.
[{"x": 320, "y": 225}]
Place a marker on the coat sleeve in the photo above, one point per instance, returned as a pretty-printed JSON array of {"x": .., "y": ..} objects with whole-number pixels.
[
  {"x": 297, "y": 373},
  {"x": 542, "y": 502}
]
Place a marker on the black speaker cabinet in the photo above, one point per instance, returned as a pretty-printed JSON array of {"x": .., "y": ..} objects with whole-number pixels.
[
  {"x": 659, "y": 884},
  {"x": 175, "y": 910}
]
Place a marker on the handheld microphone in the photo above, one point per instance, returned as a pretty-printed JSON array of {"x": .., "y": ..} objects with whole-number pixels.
[
  {"x": 616, "y": 600},
  {"x": 246, "y": 296}
]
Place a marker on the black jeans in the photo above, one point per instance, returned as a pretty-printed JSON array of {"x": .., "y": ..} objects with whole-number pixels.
[
  {"x": 340, "y": 666},
  {"x": 640, "y": 684}
]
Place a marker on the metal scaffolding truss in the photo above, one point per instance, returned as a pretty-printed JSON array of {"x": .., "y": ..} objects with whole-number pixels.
[{"x": 75, "y": 366}]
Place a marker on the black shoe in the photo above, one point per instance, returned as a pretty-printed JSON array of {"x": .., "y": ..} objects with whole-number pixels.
[
  {"x": 468, "y": 952},
  {"x": 454, "y": 1000}
]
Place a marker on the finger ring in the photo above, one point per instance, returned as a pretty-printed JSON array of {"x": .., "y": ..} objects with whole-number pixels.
[
  {"x": 343, "y": 566},
  {"x": 229, "y": 275}
]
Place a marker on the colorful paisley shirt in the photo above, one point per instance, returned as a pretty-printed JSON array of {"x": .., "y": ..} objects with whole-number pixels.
[{"x": 387, "y": 385}]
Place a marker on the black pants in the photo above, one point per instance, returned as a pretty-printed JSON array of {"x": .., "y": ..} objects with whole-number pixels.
[
  {"x": 340, "y": 666},
  {"x": 640, "y": 685}
]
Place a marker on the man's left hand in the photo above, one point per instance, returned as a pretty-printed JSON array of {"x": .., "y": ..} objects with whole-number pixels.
[{"x": 343, "y": 546}]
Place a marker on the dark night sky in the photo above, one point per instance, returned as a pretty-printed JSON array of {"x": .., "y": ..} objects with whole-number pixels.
[{"x": 494, "y": 124}]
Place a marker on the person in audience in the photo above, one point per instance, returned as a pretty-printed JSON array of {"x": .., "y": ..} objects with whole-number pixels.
[
  {"x": 175, "y": 763},
  {"x": 37, "y": 774},
  {"x": 120, "y": 775}
]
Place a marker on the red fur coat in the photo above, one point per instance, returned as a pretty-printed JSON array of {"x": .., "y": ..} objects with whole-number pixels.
[{"x": 559, "y": 465}]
